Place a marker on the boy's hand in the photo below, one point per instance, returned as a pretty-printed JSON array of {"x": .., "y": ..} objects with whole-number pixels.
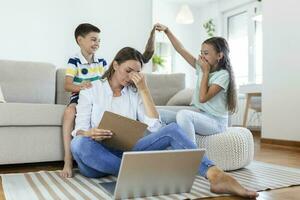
[
  {"x": 85, "y": 85},
  {"x": 139, "y": 80},
  {"x": 161, "y": 27},
  {"x": 98, "y": 134}
]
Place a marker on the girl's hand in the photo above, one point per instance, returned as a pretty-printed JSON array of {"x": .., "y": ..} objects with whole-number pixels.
[
  {"x": 98, "y": 134},
  {"x": 205, "y": 66},
  {"x": 139, "y": 80},
  {"x": 161, "y": 27}
]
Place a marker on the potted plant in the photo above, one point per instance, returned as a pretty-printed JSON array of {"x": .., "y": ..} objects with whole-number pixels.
[
  {"x": 209, "y": 27},
  {"x": 157, "y": 61}
]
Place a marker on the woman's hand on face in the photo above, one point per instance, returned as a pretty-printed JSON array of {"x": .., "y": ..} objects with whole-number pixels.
[
  {"x": 161, "y": 27},
  {"x": 99, "y": 134},
  {"x": 139, "y": 80},
  {"x": 205, "y": 66}
]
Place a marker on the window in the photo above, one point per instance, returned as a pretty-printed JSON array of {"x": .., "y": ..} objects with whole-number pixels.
[
  {"x": 162, "y": 58},
  {"x": 258, "y": 51},
  {"x": 244, "y": 35}
]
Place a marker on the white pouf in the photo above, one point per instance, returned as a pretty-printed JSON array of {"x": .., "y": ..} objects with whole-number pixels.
[{"x": 229, "y": 150}]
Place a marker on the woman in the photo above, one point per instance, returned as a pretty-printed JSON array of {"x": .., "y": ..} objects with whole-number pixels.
[{"x": 123, "y": 90}]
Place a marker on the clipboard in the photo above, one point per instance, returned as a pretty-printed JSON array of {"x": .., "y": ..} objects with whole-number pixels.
[{"x": 126, "y": 131}]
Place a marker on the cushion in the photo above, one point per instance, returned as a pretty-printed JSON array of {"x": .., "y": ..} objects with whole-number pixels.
[
  {"x": 182, "y": 98},
  {"x": 163, "y": 86},
  {"x": 2, "y": 100},
  {"x": 27, "y": 82}
]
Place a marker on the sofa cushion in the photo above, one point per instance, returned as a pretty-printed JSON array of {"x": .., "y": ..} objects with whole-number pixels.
[
  {"x": 26, "y": 114},
  {"x": 163, "y": 86},
  {"x": 182, "y": 98},
  {"x": 27, "y": 82}
]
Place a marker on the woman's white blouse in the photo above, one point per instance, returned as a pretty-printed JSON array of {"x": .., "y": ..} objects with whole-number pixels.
[{"x": 99, "y": 98}]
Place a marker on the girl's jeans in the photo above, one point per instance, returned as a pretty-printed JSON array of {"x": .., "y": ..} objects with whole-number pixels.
[{"x": 195, "y": 122}]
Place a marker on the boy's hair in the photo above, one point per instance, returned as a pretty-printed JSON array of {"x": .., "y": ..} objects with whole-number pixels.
[
  {"x": 84, "y": 29},
  {"x": 221, "y": 45}
]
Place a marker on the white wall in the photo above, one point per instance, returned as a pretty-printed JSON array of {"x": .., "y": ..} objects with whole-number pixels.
[
  {"x": 226, "y": 5},
  {"x": 43, "y": 30},
  {"x": 281, "y": 70}
]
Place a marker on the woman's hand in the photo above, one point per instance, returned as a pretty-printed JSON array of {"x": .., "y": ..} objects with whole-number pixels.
[
  {"x": 139, "y": 80},
  {"x": 205, "y": 66},
  {"x": 98, "y": 134},
  {"x": 140, "y": 83},
  {"x": 161, "y": 27}
]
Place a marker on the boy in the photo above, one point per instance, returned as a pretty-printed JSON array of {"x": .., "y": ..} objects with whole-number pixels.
[{"x": 82, "y": 69}]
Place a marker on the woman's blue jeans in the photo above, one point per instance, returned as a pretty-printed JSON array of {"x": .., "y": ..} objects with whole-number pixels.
[{"x": 94, "y": 159}]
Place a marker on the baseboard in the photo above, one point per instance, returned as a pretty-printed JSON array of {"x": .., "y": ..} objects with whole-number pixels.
[{"x": 281, "y": 142}]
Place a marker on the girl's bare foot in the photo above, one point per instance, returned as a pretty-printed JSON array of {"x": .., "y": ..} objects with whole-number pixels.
[
  {"x": 220, "y": 182},
  {"x": 67, "y": 171}
]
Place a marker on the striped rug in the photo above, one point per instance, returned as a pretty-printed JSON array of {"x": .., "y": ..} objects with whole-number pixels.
[{"x": 46, "y": 185}]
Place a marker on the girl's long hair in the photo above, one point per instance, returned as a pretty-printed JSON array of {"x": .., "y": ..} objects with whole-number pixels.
[{"x": 221, "y": 46}]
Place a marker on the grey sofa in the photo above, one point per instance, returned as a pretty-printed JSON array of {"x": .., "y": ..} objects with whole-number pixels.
[{"x": 31, "y": 120}]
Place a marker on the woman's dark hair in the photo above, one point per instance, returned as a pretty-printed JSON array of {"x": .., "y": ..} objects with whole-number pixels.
[
  {"x": 125, "y": 54},
  {"x": 221, "y": 46}
]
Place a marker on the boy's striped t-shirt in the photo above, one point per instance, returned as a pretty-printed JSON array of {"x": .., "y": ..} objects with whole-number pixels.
[{"x": 79, "y": 68}]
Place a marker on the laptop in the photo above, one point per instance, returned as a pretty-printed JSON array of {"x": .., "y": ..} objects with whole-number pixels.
[
  {"x": 126, "y": 131},
  {"x": 153, "y": 173}
]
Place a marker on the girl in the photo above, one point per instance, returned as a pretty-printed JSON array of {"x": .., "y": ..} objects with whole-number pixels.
[
  {"x": 215, "y": 94},
  {"x": 123, "y": 90}
]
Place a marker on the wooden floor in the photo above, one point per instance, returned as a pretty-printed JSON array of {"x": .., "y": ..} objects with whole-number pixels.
[{"x": 274, "y": 154}]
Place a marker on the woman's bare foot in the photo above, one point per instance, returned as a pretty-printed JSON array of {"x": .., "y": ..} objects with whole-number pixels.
[
  {"x": 220, "y": 182},
  {"x": 67, "y": 171}
]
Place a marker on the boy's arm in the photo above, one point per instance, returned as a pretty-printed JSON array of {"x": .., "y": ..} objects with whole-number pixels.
[
  {"x": 70, "y": 73},
  {"x": 69, "y": 86},
  {"x": 149, "y": 49}
]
